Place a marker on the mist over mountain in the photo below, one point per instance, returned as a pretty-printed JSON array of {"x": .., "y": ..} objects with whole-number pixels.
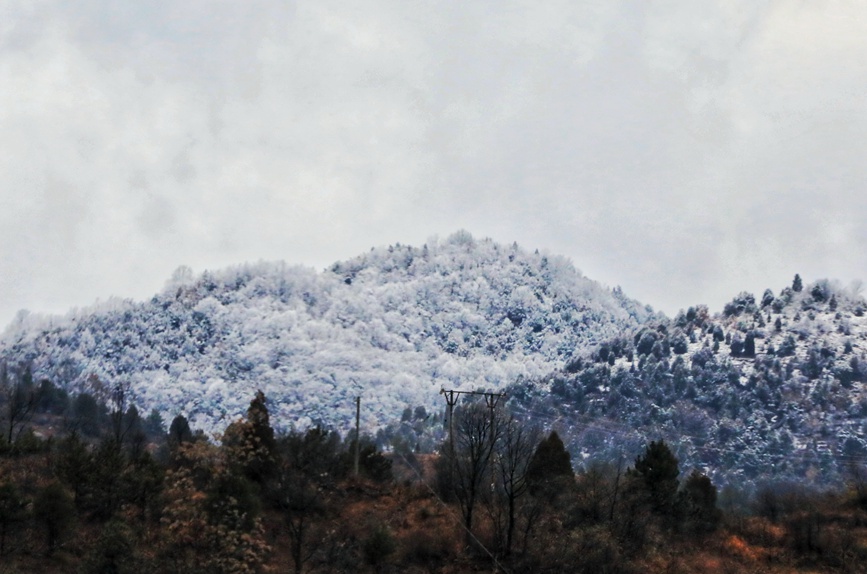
[{"x": 393, "y": 326}]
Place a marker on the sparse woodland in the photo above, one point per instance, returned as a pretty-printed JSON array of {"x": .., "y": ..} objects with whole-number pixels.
[{"x": 88, "y": 485}]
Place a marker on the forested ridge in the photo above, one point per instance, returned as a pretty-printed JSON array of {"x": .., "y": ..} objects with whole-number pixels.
[
  {"x": 604, "y": 437},
  {"x": 772, "y": 388},
  {"x": 395, "y": 324}
]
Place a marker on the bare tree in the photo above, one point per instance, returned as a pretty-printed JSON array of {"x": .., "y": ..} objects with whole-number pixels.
[
  {"x": 513, "y": 453},
  {"x": 475, "y": 437},
  {"x": 21, "y": 398}
]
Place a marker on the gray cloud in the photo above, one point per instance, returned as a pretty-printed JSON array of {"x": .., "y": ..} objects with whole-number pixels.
[{"x": 684, "y": 152}]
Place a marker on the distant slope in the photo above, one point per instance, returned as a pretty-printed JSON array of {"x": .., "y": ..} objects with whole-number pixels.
[
  {"x": 770, "y": 388},
  {"x": 394, "y": 326}
]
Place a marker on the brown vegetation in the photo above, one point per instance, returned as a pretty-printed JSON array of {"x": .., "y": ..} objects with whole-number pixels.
[{"x": 256, "y": 502}]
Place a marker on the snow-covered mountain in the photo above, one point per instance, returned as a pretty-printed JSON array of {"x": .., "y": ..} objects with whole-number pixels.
[
  {"x": 393, "y": 326},
  {"x": 770, "y": 388}
]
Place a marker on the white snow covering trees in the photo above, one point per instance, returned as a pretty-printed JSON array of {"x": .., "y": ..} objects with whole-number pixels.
[{"x": 393, "y": 325}]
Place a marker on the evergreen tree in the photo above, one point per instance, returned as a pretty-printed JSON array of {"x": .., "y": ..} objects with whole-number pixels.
[
  {"x": 87, "y": 414},
  {"x": 52, "y": 399},
  {"x": 251, "y": 442},
  {"x": 750, "y": 345},
  {"x": 698, "y": 502},
  {"x": 797, "y": 284},
  {"x": 20, "y": 400},
  {"x": 143, "y": 482},
  {"x": 767, "y": 298},
  {"x": 73, "y": 466},
  {"x": 308, "y": 462},
  {"x": 371, "y": 462},
  {"x": 153, "y": 425},
  {"x": 179, "y": 431},
  {"x": 550, "y": 464},
  {"x": 104, "y": 492},
  {"x": 657, "y": 472},
  {"x": 53, "y": 508},
  {"x": 257, "y": 415}
]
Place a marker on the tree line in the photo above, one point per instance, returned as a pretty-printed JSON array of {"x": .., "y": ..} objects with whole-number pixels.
[
  {"x": 112, "y": 492},
  {"x": 86, "y": 485}
]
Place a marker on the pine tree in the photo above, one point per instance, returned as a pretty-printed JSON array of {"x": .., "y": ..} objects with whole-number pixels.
[
  {"x": 251, "y": 442},
  {"x": 698, "y": 501},
  {"x": 54, "y": 509},
  {"x": 750, "y": 345},
  {"x": 73, "y": 466},
  {"x": 657, "y": 472},
  {"x": 179, "y": 431},
  {"x": 797, "y": 284},
  {"x": 550, "y": 464},
  {"x": 259, "y": 419}
]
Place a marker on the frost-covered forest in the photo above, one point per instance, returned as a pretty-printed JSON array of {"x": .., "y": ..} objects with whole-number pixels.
[
  {"x": 393, "y": 325},
  {"x": 770, "y": 389}
]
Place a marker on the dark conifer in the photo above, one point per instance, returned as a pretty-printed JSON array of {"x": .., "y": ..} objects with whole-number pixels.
[
  {"x": 179, "y": 431},
  {"x": 54, "y": 510},
  {"x": 658, "y": 472},
  {"x": 797, "y": 284},
  {"x": 550, "y": 463}
]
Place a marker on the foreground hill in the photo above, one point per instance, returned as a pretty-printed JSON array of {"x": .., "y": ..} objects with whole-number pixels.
[
  {"x": 770, "y": 388},
  {"x": 393, "y": 326}
]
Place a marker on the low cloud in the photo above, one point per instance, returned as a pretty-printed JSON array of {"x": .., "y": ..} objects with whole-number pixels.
[{"x": 685, "y": 154}]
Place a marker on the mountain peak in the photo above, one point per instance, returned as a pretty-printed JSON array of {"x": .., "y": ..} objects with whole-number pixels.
[{"x": 392, "y": 325}]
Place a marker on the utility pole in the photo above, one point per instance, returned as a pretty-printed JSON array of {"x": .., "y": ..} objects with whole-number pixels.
[
  {"x": 357, "y": 435},
  {"x": 491, "y": 400},
  {"x": 451, "y": 401}
]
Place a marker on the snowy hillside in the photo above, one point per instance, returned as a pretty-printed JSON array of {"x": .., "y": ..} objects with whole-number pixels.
[
  {"x": 393, "y": 326},
  {"x": 772, "y": 387}
]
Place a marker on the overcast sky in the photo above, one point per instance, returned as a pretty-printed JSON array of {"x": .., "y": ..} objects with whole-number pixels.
[{"x": 685, "y": 151}]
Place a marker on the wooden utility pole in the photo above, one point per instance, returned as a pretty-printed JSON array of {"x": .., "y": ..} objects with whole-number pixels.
[
  {"x": 451, "y": 401},
  {"x": 491, "y": 400},
  {"x": 357, "y": 435}
]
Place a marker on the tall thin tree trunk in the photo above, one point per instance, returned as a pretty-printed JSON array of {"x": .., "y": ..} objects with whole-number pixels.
[{"x": 511, "y": 528}]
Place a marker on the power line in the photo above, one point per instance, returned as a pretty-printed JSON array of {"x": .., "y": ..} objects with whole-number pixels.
[{"x": 452, "y": 514}]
